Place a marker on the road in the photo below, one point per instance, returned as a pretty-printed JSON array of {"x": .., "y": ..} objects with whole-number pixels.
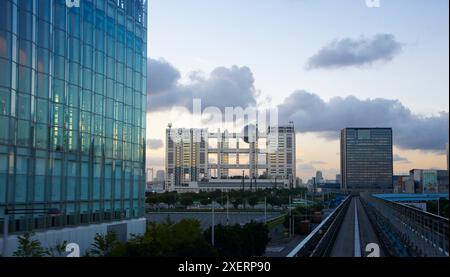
[
  {"x": 355, "y": 234},
  {"x": 281, "y": 248},
  {"x": 205, "y": 218}
]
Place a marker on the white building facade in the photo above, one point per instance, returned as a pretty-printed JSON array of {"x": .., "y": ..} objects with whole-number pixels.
[{"x": 197, "y": 156}]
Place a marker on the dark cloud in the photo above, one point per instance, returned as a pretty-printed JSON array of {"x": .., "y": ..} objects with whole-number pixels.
[
  {"x": 155, "y": 144},
  {"x": 361, "y": 52},
  {"x": 224, "y": 87},
  {"x": 313, "y": 114},
  {"x": 231, "y": 87},
  {"x": 162, "y": 76},
  {"x": 400, "y": 159}
]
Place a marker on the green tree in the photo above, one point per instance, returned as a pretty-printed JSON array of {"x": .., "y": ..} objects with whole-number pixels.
[
  {"x": 432, "y": 207},
  {"x": 254, "y": 239},
  {"x": 186, "y": 200},
  {"x": 103, "y": 244},
  {"x": 58, "y": 250},
  {"x": 153, "y": 199},
  {"x": 227, "y": 240},
  {"x": 183, "y": 239},
  {"x": 170, "y": 198},
  {"x": 240, "y": 241},
  {"x": 205, "y": 201},
  {"x": 273, "y": 201},
  {"x": 302, "y": 210},
  {"x": 253, "y": 200},
  {"x": 29, "y": 247},
  {"x": 236, "y": 202}
]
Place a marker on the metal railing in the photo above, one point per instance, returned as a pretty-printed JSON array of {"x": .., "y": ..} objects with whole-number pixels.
[
  {"x": 318, "y": 241},
  {"x": 423, "y": 234}
]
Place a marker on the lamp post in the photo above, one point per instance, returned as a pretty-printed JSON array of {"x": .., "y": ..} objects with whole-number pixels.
[
  {"x": 8, "y": 212},
  {"x": 228, "y": 204},
  {"x": 213, "y": 223},
  {"x": 265, "y": 209},
  {"x": 438, "y": 208},
  {"x": 290, "y": 218}
]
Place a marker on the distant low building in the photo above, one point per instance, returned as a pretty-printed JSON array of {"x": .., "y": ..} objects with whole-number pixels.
[
  {"x": 231, "y": 184},
  {"x": 310, "y": 183},
  {"x": 410, "y": 186},
  {"x": 299, "y": 182},
  {"x": 160, "y": 176},
  {"x": 399, "y": 183},
  {"x": 152, "y": 187},
  {"x": 428, "y": 181},
  {"x": 319, "y": 177},
  {"x": 329, "y": 186},
  {"x": 443, "y": 181}
]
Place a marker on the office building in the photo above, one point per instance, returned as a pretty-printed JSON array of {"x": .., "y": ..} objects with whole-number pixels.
[
  {"x": 319, "y": 177},
  {"x": 366, "y": 159},
  {"x": 160, "y": 176},
  {"x": 72, "y": 118},
  {"x": 399, "y": 183},
  {"x": 429, "y": 181},
  {"x": 281, "y": 159},
  {"x": 186, "y": 157},
  {"x": 299, "y": 182},
  {"x": 196, "y": 156},
  {"x": 443, "y": 181},
  {"x": 329, "y": 186}
]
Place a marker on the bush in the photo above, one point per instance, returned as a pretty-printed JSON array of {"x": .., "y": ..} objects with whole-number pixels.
[
  {"x": 29, "y": 247},
  {"x": 183, "y": 239},
  {"x": 240, "y": 241}
]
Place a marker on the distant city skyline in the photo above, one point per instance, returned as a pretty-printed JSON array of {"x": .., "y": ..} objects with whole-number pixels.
[{"x": 371, "y": 73}]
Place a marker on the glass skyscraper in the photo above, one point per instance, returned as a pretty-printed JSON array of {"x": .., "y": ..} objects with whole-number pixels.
[
  {"x": 72, "y": 111},
  {"x": 366, "y": 159}
]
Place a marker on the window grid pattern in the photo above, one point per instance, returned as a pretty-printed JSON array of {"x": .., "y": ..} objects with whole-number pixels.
[
  {"x": 366, "y": 159},
  {"x": 72, "y": 110}
]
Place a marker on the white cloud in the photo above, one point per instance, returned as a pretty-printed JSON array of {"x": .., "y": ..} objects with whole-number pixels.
[
  {"x": 312, "y": 114},
  {"x": 224, "y": 87},
  {"x": 349, "y": 52}
]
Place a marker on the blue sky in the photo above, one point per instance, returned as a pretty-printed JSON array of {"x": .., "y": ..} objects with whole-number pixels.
[{"x": 276, "y": 39}]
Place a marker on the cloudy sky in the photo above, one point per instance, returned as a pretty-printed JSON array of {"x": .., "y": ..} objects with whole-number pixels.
[{"x": 325, "y": 64}]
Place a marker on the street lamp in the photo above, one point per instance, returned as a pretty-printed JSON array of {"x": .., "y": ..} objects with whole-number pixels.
[
  {"x": 265, "y": 209},
  {"x": 438, "y": 208},
  {"x": 228, "y": 204},
  {"x": 290, "y": 218},
  {"x": 8, "y": 212},
  {"x": 213, "y": 223}
]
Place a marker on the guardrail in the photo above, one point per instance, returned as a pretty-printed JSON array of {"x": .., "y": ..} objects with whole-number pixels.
[
  {"x": 422, "y": 233},
  {"x": 317, "y": 243}
]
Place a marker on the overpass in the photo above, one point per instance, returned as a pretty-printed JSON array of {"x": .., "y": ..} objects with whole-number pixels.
[{"x": 373, "y": 226}]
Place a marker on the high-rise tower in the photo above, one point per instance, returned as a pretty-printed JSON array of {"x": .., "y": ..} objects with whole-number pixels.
[
  {"x": 366, "y": 159},
  {"x": 72, "y": 116}
]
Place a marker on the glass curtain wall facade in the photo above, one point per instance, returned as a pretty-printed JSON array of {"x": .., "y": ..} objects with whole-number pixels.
[
  {"x": 366, "y": 159},
  {"x": 72, "y": 110}
]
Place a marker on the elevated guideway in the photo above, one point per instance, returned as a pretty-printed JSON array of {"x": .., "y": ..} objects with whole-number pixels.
[{"x": 370, "y": 226}]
